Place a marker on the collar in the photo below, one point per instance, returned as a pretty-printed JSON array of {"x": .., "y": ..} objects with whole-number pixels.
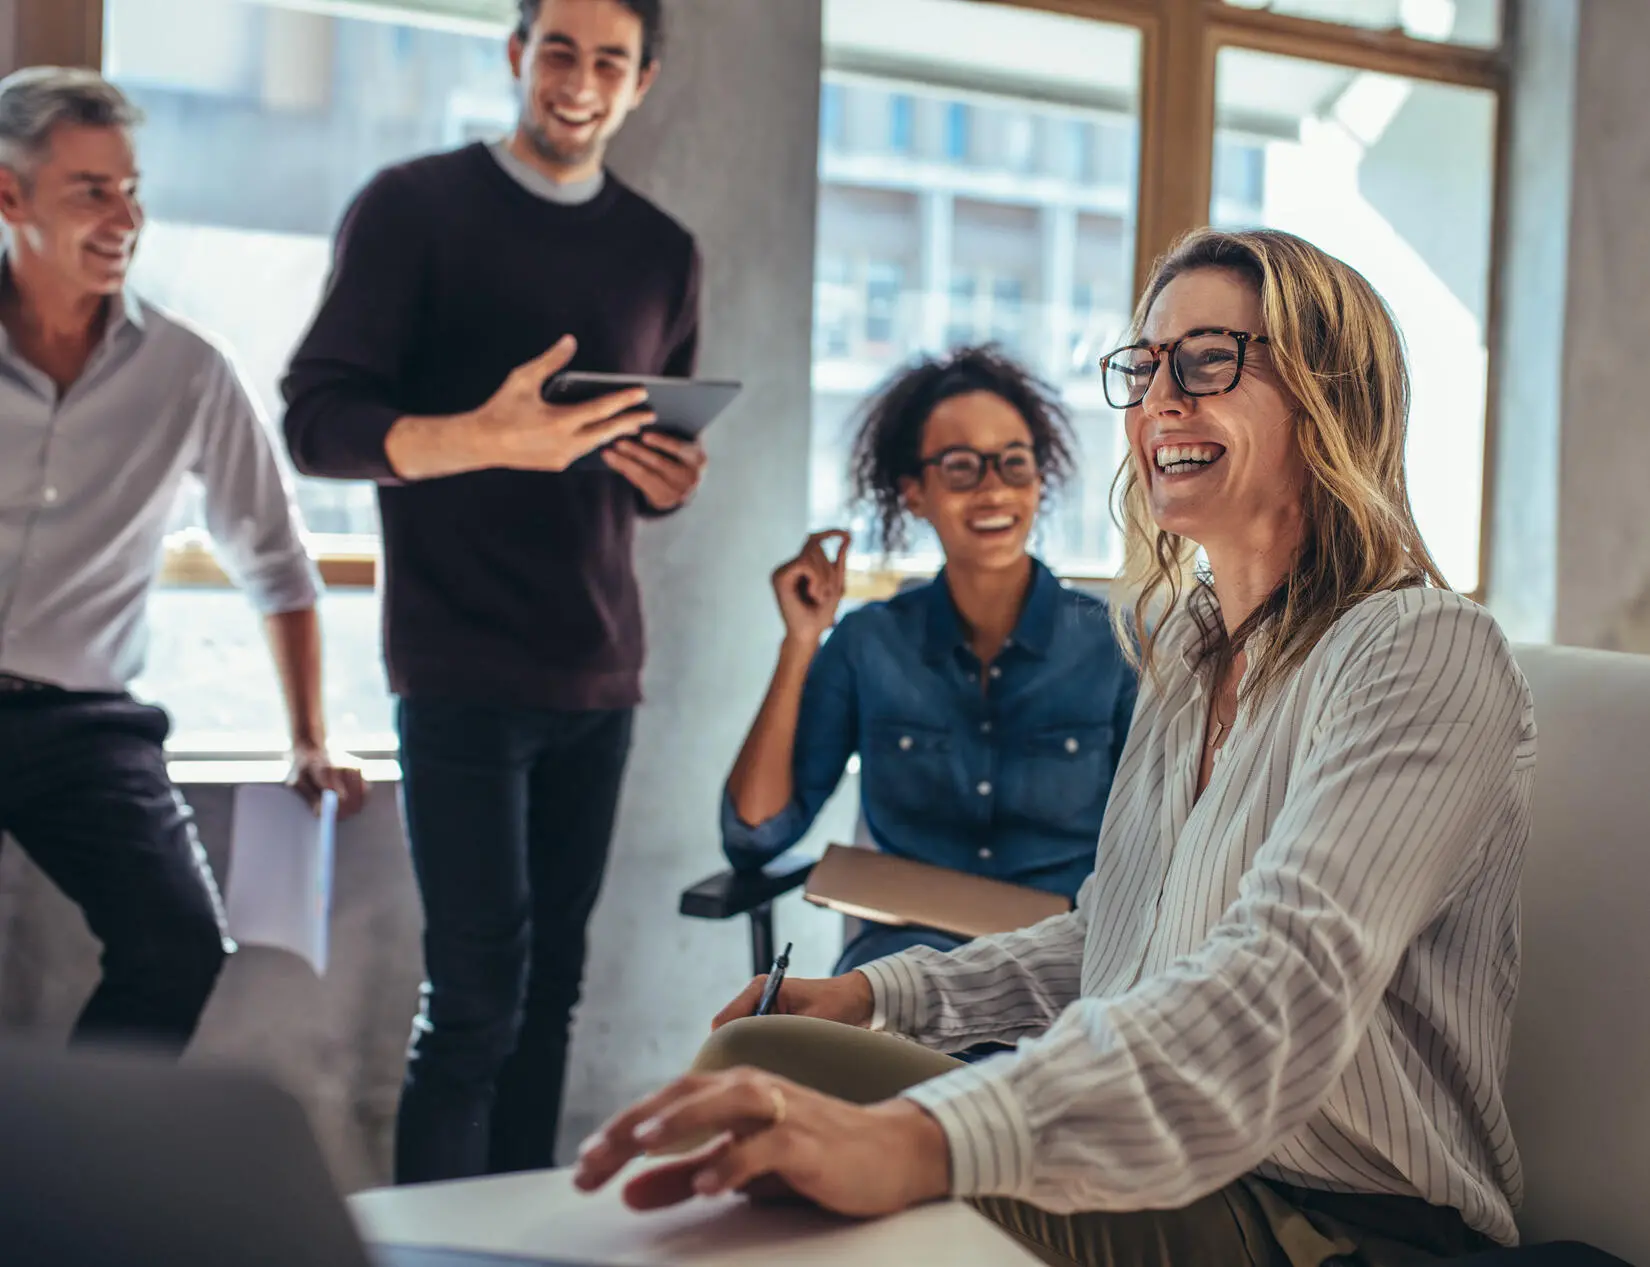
[
  {"x": 126, "y": 310},
  {"x": 1032, "y": 632}
]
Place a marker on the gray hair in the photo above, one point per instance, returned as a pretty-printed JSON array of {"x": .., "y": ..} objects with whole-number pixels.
[{"x": 36, "y": 99}]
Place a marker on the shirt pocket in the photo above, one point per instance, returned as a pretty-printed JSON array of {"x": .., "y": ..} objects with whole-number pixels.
[
  {"x": 1063, "y": 773},
  {"x": 908, "y": 768}
]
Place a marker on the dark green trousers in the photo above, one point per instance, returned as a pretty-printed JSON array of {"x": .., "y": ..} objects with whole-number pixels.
[{"x": 1250, "y": 1223}]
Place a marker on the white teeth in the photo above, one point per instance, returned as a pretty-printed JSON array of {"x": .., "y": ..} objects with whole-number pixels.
[
  {"x": 1186, "y": 455},
  {"x": 992, "y": 524}
]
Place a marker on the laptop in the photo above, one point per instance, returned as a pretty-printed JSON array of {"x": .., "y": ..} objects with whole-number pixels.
[{"x": 114, "y": 1160}]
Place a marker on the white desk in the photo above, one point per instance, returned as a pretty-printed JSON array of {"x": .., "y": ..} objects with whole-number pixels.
[{"x": 541, "y": 1213}]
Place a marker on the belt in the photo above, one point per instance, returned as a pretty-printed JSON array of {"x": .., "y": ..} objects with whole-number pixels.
[{"x": 11, "y": 684}]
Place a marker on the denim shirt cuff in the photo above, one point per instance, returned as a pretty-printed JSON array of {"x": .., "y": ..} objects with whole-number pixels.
[{"x": 749, "y": 847}]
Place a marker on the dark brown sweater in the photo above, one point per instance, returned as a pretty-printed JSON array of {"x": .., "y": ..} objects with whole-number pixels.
[{"x": 500, "y": 586}]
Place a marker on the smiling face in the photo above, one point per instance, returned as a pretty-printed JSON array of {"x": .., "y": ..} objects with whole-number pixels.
[
  {"x": 73, "y": 209},
  {"x": 984, "y": 528},
  {"x": 1223, "y": 469},
  {"x": 581, "y": 74}
]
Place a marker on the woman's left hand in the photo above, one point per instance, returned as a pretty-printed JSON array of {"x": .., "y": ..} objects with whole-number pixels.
[{"x": 768, "y": 1136}]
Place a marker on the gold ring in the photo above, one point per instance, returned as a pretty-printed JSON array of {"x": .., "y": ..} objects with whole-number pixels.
[{"x": 779, "y": 1106}]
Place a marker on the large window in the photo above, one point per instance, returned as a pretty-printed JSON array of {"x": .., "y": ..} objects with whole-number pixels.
[
  {"x": 1004, "y": 218},
  {"x": 1474, "y": 22},
  {"x": 987, "y": 171},
  {"x": 1023, "y": 209},
  {"x": 1395, "y": 177},
  {"x": 261, "y": 125}
]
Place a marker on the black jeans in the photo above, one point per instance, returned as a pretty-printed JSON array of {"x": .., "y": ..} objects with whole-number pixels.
[
  {"x": 509, "y": 815},
  {"x": 84, "y": 790}
]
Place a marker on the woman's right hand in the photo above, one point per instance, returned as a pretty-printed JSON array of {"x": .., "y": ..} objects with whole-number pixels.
[
  {"x": 810, "y": 587},
  {"x": 846, "y": 999}
]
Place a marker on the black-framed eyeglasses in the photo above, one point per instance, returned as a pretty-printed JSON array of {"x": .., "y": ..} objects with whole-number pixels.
[
  {"x": 962, "y": 468},
  {"x": 1204, "y": 363}
]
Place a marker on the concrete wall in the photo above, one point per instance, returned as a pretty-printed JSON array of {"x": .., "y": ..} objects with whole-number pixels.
[
  {"x": 1570, "y": 536},
  {"x": 1604, "y": 435},
  {"x": 727, "y": 143},
  {"x": 1523, "y": 541}
]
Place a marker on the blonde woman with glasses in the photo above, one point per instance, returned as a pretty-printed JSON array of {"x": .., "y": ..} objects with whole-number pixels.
[{"x": 1274, "y": 1030}]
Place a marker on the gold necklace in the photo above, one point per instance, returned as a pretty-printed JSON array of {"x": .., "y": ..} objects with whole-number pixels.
[{"x": 1221, "y": 729}]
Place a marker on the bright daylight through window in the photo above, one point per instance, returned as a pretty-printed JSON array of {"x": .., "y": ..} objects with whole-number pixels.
[
  {"x": 980, "y": 173},
  {"x": 261, "y": 126},
  {"x": 1395, "y": 177},
  {"x": 977, "y": 172},
  {"x": 978, "y": 176}
]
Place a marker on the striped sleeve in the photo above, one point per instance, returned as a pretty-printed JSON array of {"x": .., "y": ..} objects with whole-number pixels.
[
  {"x": 993, "y": 989},
  {"x": 1155, "y": 1097}
]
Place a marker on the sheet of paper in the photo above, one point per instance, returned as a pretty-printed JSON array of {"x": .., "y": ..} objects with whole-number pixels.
[{"x": 280, "y": 871}]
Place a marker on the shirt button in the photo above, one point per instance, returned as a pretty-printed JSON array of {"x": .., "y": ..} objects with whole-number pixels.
[
  {"x": 985, "y": 853},
  {"x": 996, "y": 670},
  {"x": 985, "y": 728},
  {"x": 984, "y": 787},
  {"x": 1071, "y": 745},
  {"x": 48, "y": 494},
  {"x": 905, "y": 743}
]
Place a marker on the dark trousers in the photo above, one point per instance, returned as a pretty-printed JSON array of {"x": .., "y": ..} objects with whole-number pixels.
[
  {"x": 84, "y": 791},
  {"x": 509, "y": 815}
]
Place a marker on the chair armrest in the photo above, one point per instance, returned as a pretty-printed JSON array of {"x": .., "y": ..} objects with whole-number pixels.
[{"x": 730, "y": 893}]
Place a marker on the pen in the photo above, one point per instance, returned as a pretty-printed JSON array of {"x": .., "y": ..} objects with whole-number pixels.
[{"x": 776, "y": 978}]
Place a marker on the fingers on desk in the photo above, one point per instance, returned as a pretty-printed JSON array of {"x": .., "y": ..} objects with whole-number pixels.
[{"x": 697, "y": 1114}]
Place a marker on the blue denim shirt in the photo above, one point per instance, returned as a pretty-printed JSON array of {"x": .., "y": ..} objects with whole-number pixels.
[{"x": 1010, "y": 782}]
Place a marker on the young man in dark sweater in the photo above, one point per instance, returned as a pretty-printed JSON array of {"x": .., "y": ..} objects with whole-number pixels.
[{"x": 512, "y": 621}]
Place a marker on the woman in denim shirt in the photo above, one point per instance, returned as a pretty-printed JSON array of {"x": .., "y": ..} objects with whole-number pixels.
[{"x": 989, "y": 706}]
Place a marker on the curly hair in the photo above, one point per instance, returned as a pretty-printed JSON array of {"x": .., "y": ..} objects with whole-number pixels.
[{"x": 888, "y": 445}]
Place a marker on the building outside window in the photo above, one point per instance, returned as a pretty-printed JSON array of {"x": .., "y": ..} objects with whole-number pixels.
[
  {"x": 260, "y": 127},
  {"x": 995, "y": 242},
  {"x": 1032, "y": 241},
  {"x": 900, "y": 123},
  {"x": 957, "y": 121},
  {"x": 980, "y": 169}
]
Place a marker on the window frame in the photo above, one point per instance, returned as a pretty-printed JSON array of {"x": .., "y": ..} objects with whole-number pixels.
[{"x": 1180, "y": 42}]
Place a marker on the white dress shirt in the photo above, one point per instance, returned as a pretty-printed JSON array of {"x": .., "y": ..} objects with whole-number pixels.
[
  {"x": 87, "y": 485},
  {"x": 1307, "y": 973}
]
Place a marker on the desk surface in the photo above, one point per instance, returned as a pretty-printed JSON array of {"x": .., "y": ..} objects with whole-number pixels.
[{"x": 541, "y": 1213}]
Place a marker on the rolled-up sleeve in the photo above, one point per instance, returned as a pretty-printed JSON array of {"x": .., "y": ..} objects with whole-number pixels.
[
  {"x": 993, "y": 989},
  {"x": 250, "y": 513}
]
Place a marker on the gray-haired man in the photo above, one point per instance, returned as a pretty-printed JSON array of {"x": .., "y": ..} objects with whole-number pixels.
[{"x": 106, "y": 404}]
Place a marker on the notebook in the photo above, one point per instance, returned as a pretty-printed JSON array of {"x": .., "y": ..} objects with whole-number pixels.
[{"x": 870, "y": 885}]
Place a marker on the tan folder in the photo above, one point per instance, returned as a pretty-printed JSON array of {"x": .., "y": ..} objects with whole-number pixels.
[{"x": 869, "y": 885}]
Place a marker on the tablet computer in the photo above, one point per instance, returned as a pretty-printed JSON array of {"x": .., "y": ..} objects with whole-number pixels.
[{"x": 684, "y": 406}]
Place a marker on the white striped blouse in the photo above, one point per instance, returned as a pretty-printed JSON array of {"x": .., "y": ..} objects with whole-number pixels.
[{"x": 1307, "y": 973}]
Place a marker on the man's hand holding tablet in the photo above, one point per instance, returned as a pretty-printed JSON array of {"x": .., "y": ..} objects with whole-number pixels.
[
  {"x": 517, "y": 428},
  {"x": 664, "y": 460}
]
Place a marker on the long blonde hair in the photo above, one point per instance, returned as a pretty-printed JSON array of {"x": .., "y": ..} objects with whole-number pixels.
[{"x": 1341, "y": 361}]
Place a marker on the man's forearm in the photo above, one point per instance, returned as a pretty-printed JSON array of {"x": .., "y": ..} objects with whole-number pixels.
[
  {"x": 295, "y": 644},
  {"x": 424, "y": 448}
]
